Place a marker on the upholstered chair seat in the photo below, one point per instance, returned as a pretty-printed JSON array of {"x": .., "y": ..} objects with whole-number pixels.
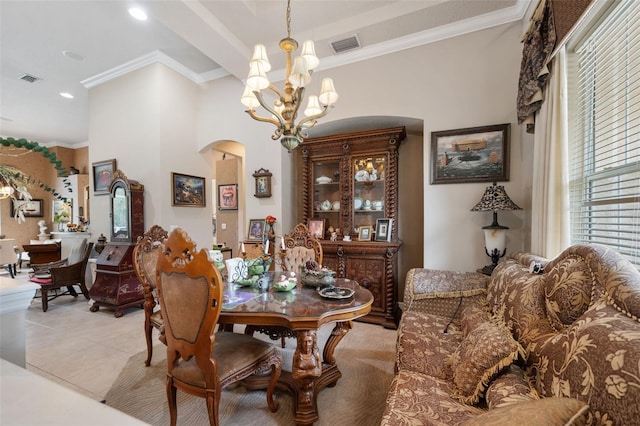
[{"x": 236, "y": 354}]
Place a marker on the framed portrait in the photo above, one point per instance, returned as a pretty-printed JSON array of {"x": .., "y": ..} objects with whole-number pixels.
[
  {"x": 364, "y": 233},
  {"x": 316, "y": 228},
  {"x": 228, "y": 197},
  {"x": 256, "y": 229},
  {"x": 31, "y": 208},
  {"x": 102, "y": 176},
  {"x": 383, "y": 229},
  {"x": 188, "y": 191},
  {"x": 263, "y": 183},
  {"x": 475, "y": 154}
]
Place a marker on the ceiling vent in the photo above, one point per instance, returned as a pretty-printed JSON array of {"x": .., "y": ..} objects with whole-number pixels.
[
  {"x": 345, "y": 44},
  {"x": 30, "y": 78}
]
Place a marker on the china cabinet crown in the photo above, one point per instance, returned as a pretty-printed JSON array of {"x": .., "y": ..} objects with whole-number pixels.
[{"x": 350, "y": 186}]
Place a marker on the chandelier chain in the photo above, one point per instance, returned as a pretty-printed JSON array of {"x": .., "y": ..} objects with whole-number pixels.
[{"x": 288, "y": 18}]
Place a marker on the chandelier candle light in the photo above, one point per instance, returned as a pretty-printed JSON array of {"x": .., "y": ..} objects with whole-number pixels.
[
  {"x": 495, "y": 199},
  {"x": 284, "y": 110}
]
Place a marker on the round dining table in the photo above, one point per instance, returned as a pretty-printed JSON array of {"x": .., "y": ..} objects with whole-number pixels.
[{"x": 299, "y": 313}]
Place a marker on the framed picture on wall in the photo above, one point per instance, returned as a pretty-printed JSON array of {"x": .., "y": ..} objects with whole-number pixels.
[
  {"x": 263, "y": 183},
  {"x": 474, "y": 154},
  {"x": 102, "y": 176},
  {"x": 31, "y": 208},
  {"x": 256, "y": 229},
  {"x": 228, "y": 196},
  {"x": 188, "y": 191}
]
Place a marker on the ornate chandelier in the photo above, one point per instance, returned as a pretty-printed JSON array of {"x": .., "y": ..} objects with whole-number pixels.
[{"x": 284, "y": 110}]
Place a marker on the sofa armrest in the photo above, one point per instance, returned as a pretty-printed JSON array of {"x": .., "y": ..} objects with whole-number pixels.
[{"x": 443, "y": 293}]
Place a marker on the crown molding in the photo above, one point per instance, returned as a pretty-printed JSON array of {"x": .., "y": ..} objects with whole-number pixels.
[{"x": 478, "y": 23}]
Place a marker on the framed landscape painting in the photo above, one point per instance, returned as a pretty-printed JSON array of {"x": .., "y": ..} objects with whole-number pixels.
[
  {"x": 475, "y": 154},
  {"x": 31, "y": 208},
  {"x": 188, "y": 191}
]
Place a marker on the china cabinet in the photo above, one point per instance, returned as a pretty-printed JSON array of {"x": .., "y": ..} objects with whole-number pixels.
[
  {"x": 350, "y": 182},
  {"x": 117, "y": 286}
]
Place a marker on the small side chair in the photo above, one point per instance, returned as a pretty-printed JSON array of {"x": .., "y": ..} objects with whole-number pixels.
[{"x": 71, "y": 271}]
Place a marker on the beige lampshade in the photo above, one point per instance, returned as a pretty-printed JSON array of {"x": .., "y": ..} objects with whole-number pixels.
[
  {"x": 309, "y": 54},
  {"x": 257, "y": 79},
  {"x": 260, "y": 55},
  {"x": 248, "y": 99},
  {"x": 313, "y": 107},
  {"x": 299, "y": 73},
  {"x": 328, "y": 94}
]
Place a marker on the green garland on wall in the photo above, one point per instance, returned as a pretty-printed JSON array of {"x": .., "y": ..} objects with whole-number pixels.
[{"x": 19, "y": 181}]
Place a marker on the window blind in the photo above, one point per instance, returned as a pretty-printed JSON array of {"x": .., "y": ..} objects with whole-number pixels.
[{"x": 604, "y": 138}]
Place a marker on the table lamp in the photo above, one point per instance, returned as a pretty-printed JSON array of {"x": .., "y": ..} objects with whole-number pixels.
[{"x": 494, "y": 199}]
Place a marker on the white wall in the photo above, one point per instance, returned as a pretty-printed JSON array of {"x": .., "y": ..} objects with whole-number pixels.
[{"x": 145, "y": 119}]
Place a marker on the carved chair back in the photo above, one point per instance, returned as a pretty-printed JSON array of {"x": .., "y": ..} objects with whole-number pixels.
[
  {"x": 191, "y": 296},
  {"x": 145, "y": 258},
  {"x": 300, "y": 246},
  {"x": 199, "y": 361}
]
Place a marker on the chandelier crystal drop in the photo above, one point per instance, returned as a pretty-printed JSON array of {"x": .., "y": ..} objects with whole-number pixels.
[{"x": 284, "y": 109}]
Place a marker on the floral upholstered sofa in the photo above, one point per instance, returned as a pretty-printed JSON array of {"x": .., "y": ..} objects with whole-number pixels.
[{"x": 557, "y": 347}]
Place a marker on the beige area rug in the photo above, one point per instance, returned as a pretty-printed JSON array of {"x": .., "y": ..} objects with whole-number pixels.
[{"x": 365, "y": 357}]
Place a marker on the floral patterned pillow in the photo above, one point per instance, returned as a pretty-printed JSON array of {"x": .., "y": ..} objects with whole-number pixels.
[
  {"x": 510, "y": 387},
  {"x": 472, "y": 316},
  {"x": 482, "y": 354},
  {"x": 568, "y": 291},
  {"x": 545, "y": 411}
]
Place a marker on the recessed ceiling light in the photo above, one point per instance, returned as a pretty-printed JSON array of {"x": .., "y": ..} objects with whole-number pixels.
[
  {"x": 66, "y": 95},
  {"x": 73, "y": 55},
  {"x": 138, "y": 13}
]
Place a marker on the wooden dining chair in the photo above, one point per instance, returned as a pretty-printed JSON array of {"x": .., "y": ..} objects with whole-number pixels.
[
  {"x": 145, "y": 259},
  {"x": 199, "y": 361},
  {"x": 300, "y": 247}
]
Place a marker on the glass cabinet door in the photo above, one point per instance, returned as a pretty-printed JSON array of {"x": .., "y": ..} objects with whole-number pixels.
[
  {"x": 326, "y": 194},
  {"x": 368, "y": 192}
]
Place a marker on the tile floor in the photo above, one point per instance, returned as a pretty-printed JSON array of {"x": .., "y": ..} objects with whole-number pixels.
[{"x": 82, "y": 350}]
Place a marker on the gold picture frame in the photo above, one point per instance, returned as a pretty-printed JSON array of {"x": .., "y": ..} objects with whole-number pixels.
[{"x": 364, "y": 233}]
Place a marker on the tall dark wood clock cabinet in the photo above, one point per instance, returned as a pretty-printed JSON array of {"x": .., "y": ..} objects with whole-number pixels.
[
  {"x": 117, "y": 286},
  {"x": 350, "y": 182}
]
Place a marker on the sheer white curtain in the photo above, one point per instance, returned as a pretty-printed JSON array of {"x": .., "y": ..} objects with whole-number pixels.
[{"x": 550, "y": 232}]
